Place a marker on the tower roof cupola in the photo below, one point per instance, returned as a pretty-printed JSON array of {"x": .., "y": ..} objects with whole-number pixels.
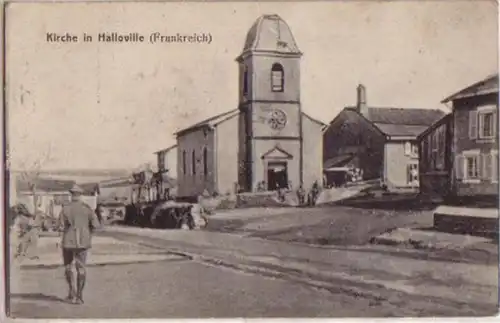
[{"x": 270, "y": 33}]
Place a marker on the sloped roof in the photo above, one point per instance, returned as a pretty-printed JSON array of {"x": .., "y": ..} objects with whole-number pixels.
[
  {"x": 270, "y": 33},
  {"x": 438, "y": 123},
  {"x": 485, "y": 86},
  {"x": 321, "y": 123},
  {"x": 402, "y": 122},
  {"x": 212, "y": 121},
  {"x": 337, "y": 161},
  {"x": 45, "y": 184},
  {"x": 166, "y": 149},
  {"x": 401, "y": 129},
  {"x": 400, "y": 116}
]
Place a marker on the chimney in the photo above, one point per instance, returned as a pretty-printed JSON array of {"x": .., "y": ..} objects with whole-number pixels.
[{"x": 361, "y": 103}]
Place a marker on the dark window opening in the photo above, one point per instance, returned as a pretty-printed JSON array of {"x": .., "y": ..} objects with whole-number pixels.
[
  {"x": 184, "y": 162},
  {"x": 277, "y": 78},
  {"x": 245, "y": 81},
  {"x": 205, "y": 161},
  {"x": 193, "y": 161}
]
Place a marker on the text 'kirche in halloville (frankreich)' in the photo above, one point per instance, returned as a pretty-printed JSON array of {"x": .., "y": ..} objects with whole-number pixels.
[{"x": 130, "y": 38}]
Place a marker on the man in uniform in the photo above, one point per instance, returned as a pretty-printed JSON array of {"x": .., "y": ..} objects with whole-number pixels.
[{"x": 77, "y": 221}]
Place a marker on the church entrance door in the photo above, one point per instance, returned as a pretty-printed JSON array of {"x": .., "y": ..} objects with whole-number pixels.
[{"x": 277, "y": 175}]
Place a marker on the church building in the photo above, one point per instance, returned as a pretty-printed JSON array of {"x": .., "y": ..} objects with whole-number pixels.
[{"x": 267, "y": 141}]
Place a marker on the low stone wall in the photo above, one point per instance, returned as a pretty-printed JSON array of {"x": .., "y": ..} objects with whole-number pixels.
[{"x": 460, "y": 221}]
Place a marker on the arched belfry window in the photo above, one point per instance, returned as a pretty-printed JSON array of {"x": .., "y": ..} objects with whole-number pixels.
[
  {"x": 277, "y": 78},
  {"x": 245, "y": 80}
]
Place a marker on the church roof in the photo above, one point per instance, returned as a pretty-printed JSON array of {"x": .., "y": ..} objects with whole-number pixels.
[
  {"x": 211, "y": 122},
  {"x": 166, "y": 149},
  {"x": 485, "y": 86},
  {"x": 270, "y": 33}
]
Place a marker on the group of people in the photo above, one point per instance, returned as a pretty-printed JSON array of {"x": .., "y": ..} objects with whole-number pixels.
[
  {"x": 308, "y": 198},
  {"x": 77, "y": 221}
]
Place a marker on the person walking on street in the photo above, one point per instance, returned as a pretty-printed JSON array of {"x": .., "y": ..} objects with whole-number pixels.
[{"x": 77, "y": 221}]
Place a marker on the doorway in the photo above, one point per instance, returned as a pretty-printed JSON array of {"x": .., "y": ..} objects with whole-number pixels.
[{"x": 277, "y": 175}]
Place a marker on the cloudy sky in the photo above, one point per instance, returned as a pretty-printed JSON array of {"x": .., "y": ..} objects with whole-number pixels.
[{"x": 101, "y": 105}]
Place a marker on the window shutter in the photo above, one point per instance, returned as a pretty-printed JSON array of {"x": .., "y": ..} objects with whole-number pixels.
[
  {"x": 459, "y": 167},
  {"x": 494, "y": 124},
  {"x": 407, "y": 148},
  {"x": 473, "y": 124},
  {"x": 494, "y": 167},
  {"x": 486, "y": 169}
]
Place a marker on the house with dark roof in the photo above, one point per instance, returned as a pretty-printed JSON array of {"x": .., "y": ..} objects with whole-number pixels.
[
  {"x": 49, "y": 194},
  {"x": 267, "y": 141},
  {"x": 380, "y": 142},
  {"x": 459, "y": 154}
]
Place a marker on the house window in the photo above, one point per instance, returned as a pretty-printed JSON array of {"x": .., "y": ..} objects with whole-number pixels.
[
  {"x": 277, "y": 78},
  {"x": 184, "y": 166},
  {"x": 411, "y": 149},
  {"x": 483, "y": 123},
  {"x": 205, "y": 161},
  {"x": 193, "y": 162},
  {"x": 486, "y": 125},
  {"x": 471, "y": 166},
  {"x": 412, "y": 174},
  {"x": 414, "y": 149}
]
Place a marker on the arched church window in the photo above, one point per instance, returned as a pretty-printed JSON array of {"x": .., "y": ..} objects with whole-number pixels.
[
  {"x": 205, "y": 161},
  {"x": 277, "y": 78},
  {"x": 184, "y": 162},
  {"x": 193, "y": 162},
  {"x": 245, "y": 80}
]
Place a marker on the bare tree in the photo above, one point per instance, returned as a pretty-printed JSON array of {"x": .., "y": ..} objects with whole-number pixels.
[{"x": 30, "y": 171}]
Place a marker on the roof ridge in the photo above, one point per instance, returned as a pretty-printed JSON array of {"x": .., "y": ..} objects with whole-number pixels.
[{"x": 207, "y": 120}]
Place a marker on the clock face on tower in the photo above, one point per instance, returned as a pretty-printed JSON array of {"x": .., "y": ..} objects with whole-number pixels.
[{"x": 277, "y": 119}]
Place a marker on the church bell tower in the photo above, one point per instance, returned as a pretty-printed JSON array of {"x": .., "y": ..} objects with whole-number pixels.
[{"x": 270, "y": 124}]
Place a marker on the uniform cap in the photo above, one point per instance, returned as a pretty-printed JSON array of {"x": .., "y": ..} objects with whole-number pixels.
[{"x": 76, "y": 189}]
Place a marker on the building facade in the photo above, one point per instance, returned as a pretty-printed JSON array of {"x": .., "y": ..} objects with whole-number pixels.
[
  {"x": 471, "y": 132},
  {"x": 49, "y": 195},
  {"x": 166, "y": 160},
  {"x": 276, "y": 144},
  {"x": 435, "y": 159},
  {"x": 381, "y": 142}
]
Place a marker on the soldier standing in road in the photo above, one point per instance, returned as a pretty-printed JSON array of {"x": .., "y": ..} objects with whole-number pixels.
[{"x": 77, "y": 221}]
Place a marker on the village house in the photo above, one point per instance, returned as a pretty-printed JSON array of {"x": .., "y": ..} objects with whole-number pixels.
[
  {"x": 380, "y": 142},
  {"x": 459, "y": 154},
  {"x": 48, "y": 195},
  {"x": 268, "y": 142},
  {"x": 166, "y": 161}
]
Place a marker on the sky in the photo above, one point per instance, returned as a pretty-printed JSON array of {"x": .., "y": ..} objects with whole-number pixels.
[{"x": 102, "y": 105}]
